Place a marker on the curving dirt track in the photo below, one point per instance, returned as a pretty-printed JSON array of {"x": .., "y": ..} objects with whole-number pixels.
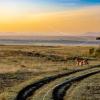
[
  {"x": 29, "y": 90},
  {"x": 59, "y": 91}
]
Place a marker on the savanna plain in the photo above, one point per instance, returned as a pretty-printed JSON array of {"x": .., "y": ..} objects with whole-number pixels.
[{"x": 22, "y": 65}]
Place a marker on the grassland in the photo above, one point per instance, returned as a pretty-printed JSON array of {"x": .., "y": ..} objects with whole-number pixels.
[
  {"x": 88, "y": 89},
  {"x": 22, "y": 65}
]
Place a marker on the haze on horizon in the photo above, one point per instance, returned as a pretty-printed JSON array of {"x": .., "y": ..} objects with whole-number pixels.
[{"x": 49, "y": 17}]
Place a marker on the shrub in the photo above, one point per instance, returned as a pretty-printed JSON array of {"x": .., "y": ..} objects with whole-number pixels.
[
  {"x": 97, "y": 52},
  {"x": 91, "y": 51}
]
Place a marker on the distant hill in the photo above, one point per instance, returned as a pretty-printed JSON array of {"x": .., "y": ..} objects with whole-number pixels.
[
  {"x": 48, "y": 38},
  {"x": 84, "y": 37},
  {"x": 51, "y": 40},
  {"x": 93, "y": 34}
]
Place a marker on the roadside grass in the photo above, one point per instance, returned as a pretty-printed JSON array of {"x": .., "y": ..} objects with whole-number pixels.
[
  {"x": 11, "y": 92},
  {"x": 88, "y": 89},
  {"x": 45, "y": 92}
]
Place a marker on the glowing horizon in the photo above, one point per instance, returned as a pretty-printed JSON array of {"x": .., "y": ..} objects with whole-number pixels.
[{"x": 49, "y": 17}]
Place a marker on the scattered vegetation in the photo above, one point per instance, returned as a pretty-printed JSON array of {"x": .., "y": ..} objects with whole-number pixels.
[
  {"x": 91, "y": 51},
  {"x": 94, "y": 51},
  {"x": 97, "y": 52}
]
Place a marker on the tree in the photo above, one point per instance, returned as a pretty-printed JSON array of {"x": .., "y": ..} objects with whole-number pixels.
[{"x": 98, "y": 38}]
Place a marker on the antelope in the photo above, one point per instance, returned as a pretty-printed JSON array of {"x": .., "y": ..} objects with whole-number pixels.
[{"x": 81, "y": 61}]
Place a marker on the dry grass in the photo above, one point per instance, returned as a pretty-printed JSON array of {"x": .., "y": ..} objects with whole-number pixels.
[
  {"x": 18, "y": 64},
  {"x": 15, "y": 58},
  {"x": 88, "y": 89}
]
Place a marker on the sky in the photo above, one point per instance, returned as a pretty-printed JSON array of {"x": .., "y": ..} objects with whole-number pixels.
[{"x": 49, "y": 17}]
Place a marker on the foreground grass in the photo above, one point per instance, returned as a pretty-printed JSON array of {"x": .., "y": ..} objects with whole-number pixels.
[
  {"x": 22, "y": 65},
  {"x": 11, "y": 92},
  {"x": 45, "y": 92},
  {"x": 88, "y": 89}
]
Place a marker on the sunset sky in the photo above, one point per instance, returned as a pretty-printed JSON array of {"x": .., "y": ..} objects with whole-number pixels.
[{"x": 49, "y": 17}]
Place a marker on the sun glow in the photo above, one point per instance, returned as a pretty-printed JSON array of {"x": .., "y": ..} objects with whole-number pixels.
[{"x": 23, "y": 17}]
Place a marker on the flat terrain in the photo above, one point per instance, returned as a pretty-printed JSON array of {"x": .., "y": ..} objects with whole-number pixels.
[{"x": 23, "y": 65}]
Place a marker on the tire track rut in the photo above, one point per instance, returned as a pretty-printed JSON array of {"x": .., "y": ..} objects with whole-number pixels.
[
  {"x": 29, "y": 90},
  {"x": 60, "y": 91}
]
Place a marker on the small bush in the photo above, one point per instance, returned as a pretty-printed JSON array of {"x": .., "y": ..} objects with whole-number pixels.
[
  {"x": 91, "y": 51},
  {"x": 97, "y": 52}
]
